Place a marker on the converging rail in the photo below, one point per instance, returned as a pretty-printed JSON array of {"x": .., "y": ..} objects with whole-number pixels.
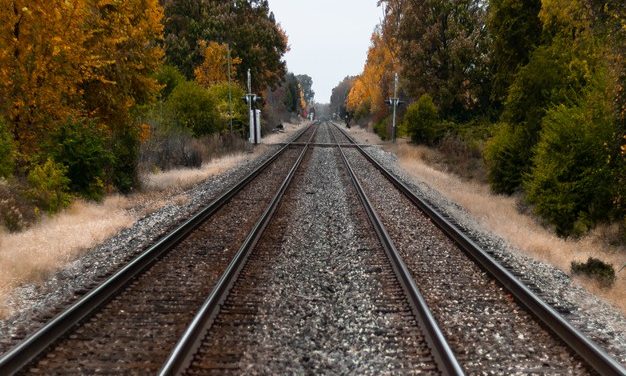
[
  {"x": 444, "y": 356},
  {"x": 595, "y": 356},
  {"x": 184, "y": 350},
  {"x": 37, "y": 343}
]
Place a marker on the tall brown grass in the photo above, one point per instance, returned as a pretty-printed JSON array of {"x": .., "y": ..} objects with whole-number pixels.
[
  {"x": 33, "y": 254},
  {"x": 502, "y": 216}
]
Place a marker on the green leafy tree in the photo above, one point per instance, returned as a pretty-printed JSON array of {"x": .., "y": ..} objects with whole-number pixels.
[
  {"x": 574, "y": 181},
  {"x": 192, "y": 107},
  {"x": 81, "y": 146},
  {"x": 515, "y": 30},
  {"x": 422, "y": 121},
  {"x": 443, "y": 50}
]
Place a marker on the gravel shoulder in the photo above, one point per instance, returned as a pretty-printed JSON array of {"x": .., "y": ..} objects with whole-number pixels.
[{"x": 602, "y": 322}]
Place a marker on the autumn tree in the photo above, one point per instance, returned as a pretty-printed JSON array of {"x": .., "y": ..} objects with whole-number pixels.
[
  {"x": 247, "y": 26},
  {"x": 306, "y": 84},
  {"x": 375, "y": 84},
  {"x": 215, "y": 65},
  {"x": 125, "y": 38},
  {"x": 42, "y": 64}
]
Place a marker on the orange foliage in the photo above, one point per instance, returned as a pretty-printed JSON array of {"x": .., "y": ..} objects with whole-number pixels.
[
  {"x": 42, "y": 63},
  {"x": 73, "y": 58},
  {"x": 214, "y": 68},
  {"x": 371, "y": 88}
]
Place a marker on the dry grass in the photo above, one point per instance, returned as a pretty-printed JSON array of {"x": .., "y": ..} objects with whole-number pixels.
[
  {"x": 181, "y": 179},
  {"x": 44, "y": 248},
  {"x": 500, "y": 215},
  {"x": 32, "y": 255},
  {"x": 278, "y": 137}
]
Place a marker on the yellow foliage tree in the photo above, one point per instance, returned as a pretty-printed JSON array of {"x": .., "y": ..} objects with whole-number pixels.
[
  {"x": 124, "y": 51},
  {"x": 375, "y": 83},
  {"x": 214, "y": 67},
  {"x": 42, "y": 63}
]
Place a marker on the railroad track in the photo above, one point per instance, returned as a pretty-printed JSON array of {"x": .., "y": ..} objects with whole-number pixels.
[
  {"x": 128, "y": 323},
  {"x": 279, "y": 288},
  {"x": 459, "y": 276}
]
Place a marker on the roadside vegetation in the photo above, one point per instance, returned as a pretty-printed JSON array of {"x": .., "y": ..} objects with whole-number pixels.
[
  {"x": 527, "y": 97},
  {"x": 98, "y": 94}
]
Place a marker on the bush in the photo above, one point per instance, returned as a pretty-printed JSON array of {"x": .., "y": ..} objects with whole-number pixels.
[
  {"x": 126, "y": 151},
  {"x": 192, "y": 107},
  {"x": 504, "y": 153},
  {"x": 7, "y": 151},
  {"x": 170, "y": 148},
  {"x": 573, "y": 182},
  {"x": 422, "y": 121},
  {"x": 170, "y": 78},
  {"x": 381, "y": 129},
  {"x": 596, "y": 269},
  {"x": 82, "y": 147},
  {"x": 220, "y": 93},
  {"x": 49, "y": 187}
]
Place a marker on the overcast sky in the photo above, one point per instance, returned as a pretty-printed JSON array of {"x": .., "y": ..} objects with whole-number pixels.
[{"x": 328, "y": 38}]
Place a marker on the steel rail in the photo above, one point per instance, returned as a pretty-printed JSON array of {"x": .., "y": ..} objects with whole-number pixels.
[
  {"x": 30, "y": 348},
  {"x": 596, "y": 357},
  {"x": 443, "y": 354},
  {"x": 182, "y": 354}
]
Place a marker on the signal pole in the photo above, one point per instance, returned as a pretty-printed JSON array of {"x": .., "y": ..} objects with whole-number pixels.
[
  {"x": 394, "y": 102},
  {"x": 251, "y": 99}
]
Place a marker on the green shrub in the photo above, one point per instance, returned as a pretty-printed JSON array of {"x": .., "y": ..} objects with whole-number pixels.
[
  {"x": 422, "y": 121},
  {"x": 7, "y": 150},
  {"x": 126, "y": 151},
  {"x": 170, "y": 77},
  {"x": 220, "y": 92},
  {"x": 504, "y": 153},
  {"x": 82, "y": 147},
  {"x": 192, "y": 107},
  {"x": 381, "y": 129},
  {"x": 573, "y": 182},
  {"x": 596, "y": 269},
  {"x": 49, "y": 187},
  {"x": 555, "y": 74}
]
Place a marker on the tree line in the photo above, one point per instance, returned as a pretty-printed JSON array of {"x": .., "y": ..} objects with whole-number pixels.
[
  {"x": 91, "y": 89},
  {"x": 534, "y": 88}
]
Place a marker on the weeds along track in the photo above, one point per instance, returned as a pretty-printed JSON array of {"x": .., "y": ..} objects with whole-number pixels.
[
  {"x": 136, "y": 317},
  {"x": 489, "y": 327}
]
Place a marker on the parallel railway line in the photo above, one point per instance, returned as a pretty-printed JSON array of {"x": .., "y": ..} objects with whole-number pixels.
[{"x": 208, "y": 297}]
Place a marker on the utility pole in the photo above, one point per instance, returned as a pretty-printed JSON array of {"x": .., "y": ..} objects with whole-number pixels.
[
  {"x": 394, "y": 102},
  {"x": 230, "y": 94}
]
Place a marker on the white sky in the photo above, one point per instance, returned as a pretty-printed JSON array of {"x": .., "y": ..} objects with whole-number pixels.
[{"x": 328, "y": 38}]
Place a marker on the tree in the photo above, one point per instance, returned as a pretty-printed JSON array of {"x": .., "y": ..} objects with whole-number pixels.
[
  {"x": 515, "y": 30},
  {"x": 340, "y": 95},
  {"x": 306, "y": 84},
  {"x": 376, "y": 82},
  {"x": 42, "y": 63},
  {"x": 247, "y": 26},
  {"x": 443, "y": 50},
  {"x": 214, "y": 67}
]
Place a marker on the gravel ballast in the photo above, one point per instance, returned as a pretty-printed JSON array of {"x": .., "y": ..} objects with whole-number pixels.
[
  {"x": 601, "y": 322},
  {"x": 318, "y": 294}
]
